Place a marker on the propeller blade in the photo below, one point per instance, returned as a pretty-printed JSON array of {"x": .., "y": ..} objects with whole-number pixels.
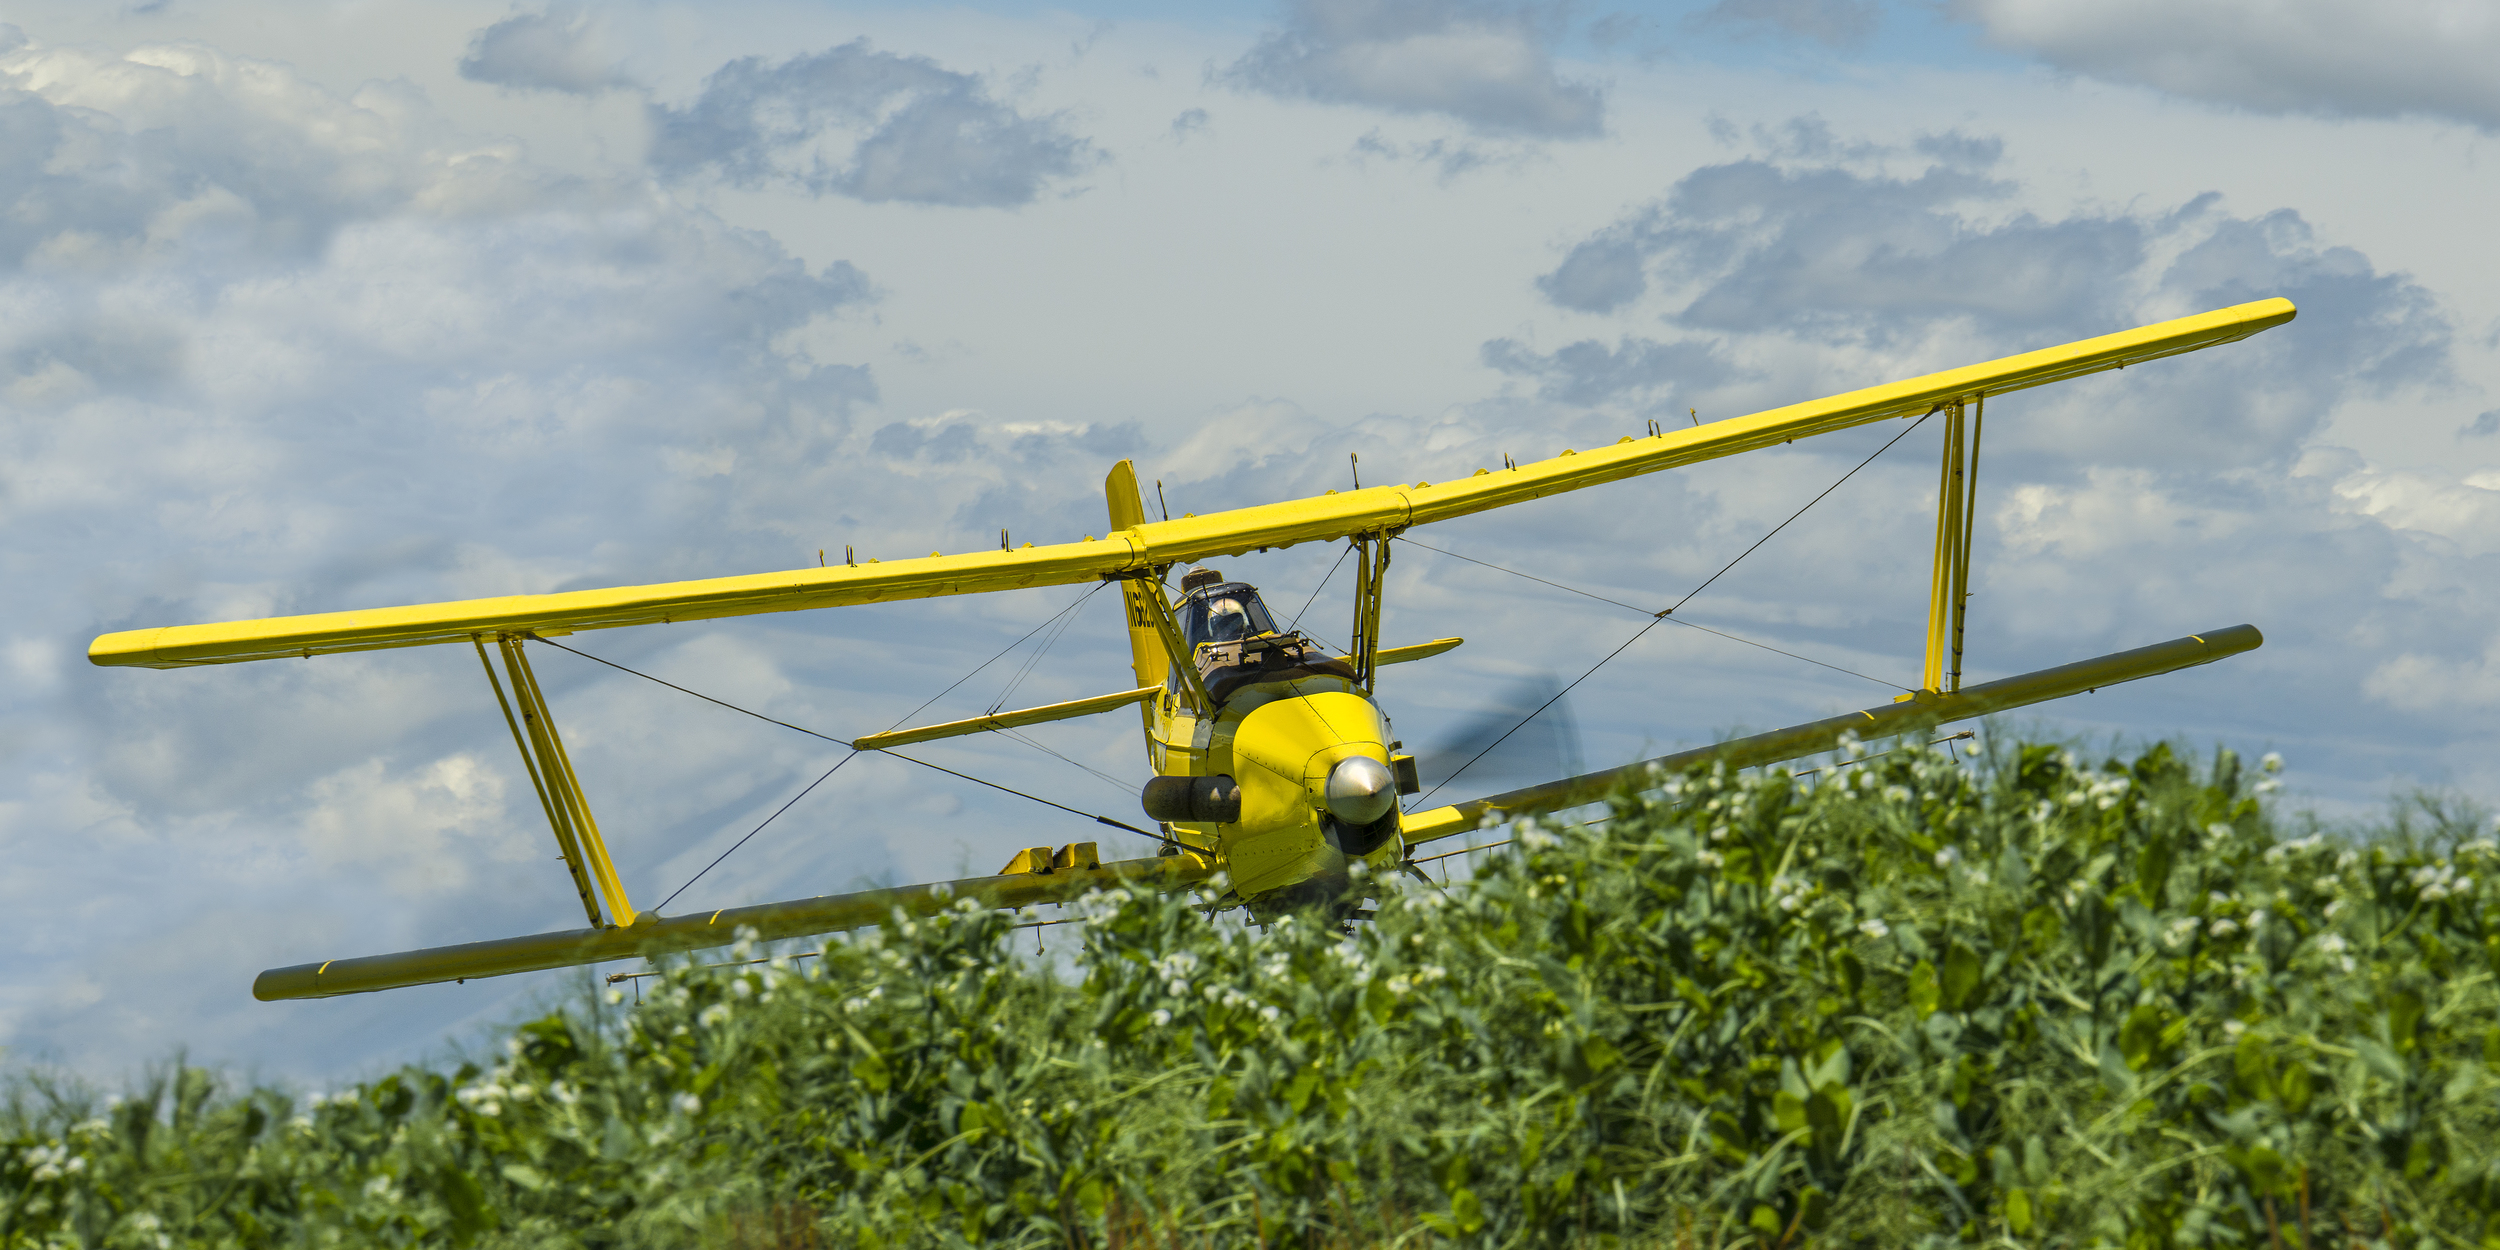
[{"x": 1545, "y": 747}]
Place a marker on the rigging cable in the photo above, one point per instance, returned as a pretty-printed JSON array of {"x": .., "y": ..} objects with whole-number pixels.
[
  {"x": 854, "y": 752},
  {"x": 1660, "y": 616},
  {"x": 1015, "y": 735},
  {"x": 1323, "y": 585},
  {"x": 1032, "y": 661},
  {"x": 1893, "y": 685}
]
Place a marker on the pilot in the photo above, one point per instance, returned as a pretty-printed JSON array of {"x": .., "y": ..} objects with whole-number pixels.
[{"x": 1227, "y": 621}]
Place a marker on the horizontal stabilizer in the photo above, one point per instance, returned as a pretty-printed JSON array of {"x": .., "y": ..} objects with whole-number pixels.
[
  {"x": 1007, "y": 720},
  {"x": 656, "y": 936},
  {"x": 1923, "y": 712},
  {"x": 1149, "y": 545},
  {"x": 1420, "y": 651}
]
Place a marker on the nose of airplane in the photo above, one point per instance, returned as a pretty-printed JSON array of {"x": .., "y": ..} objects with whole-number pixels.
[{"x": 1361, "y": 790}]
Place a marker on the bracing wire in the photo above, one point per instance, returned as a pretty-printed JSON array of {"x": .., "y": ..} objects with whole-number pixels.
[
  {"x": 1661, "y": 616},
  {"x": 1100, "y": 820},
  {"x": 1034, "y": 660},
  {"x": 854, "y": 752},
  {"x": 794, "y": 799},
  {"x": 1019, "y": 736},
  {"x": 1323, "y": 585},
  {"x": 1646, "y": 612}
]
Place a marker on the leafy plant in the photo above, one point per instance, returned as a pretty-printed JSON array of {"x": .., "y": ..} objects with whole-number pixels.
[{"x": 1911, "y": 1000}]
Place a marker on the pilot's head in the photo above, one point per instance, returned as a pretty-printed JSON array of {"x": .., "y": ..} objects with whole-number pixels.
[{"x": 1227, "y": 620}]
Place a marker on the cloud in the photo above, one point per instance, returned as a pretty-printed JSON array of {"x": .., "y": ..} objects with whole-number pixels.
[
  {"x": 2327, "y": 57},
  {"x": 1589, "y": 372},
  {"x": 1924, "y": 269},
  {"x": 265, "y": 348},
  {"x": 1832, "y": 23},
  {"x": 870, "y": 125},
  {"x": 560, "y": 49},
  {"x": 1488, "y": 66}
]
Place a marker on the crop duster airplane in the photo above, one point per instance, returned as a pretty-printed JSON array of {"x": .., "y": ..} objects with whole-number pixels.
[{"x": 1274, "y": 765}]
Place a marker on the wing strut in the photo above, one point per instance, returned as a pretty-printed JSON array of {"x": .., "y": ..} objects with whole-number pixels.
[
  {"x": 1957, "y": 507},
  {"x": 559, "y": 788},
  {"x": 1371, "y": 566}
]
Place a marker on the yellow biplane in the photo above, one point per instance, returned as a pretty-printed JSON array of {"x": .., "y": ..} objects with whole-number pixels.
[{"x": 1274, "y": 765}]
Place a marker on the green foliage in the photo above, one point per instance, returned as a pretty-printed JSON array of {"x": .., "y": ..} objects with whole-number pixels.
[{"x": 2019, "y": 1002}]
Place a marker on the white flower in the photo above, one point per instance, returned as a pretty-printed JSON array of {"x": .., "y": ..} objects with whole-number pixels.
[
  {"x": 2273, "y": 762},
  {"x": 1896, "y": 794},
  {"x": 1971, "y": 748},
  {"x": 1430, "y": 973},
  {"x": 2333, "y": 943},
  {"x": 717, "y": 1013},
  {"x": 2234, "y": 1027},
  {"x": 2267, "y": 786},
  {"x": 1946, "y": 856},
  {"x": 2333, "y": 908},
  {"x": 1978, "y": 878},
  {"x": 741, "y": 987},
  {"x": 1711, "y": 859},
  {"x": 1789, "y": 902},
  {"x": 1160, "y": 1017},
  {"x": 688, "y": 1104},
  {"x": 1399, "y": 986},
  {"x": 1267, "y": 1015},
  {"x": 2219, "y": 830},
  {"x": 1874, "y": 928},
  {"x": 2225, "y": 927},
  {"x": 614, "y": 997}
]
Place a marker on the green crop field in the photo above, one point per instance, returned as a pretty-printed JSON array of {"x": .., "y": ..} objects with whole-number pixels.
[{"x": 2021, "y": 1000}]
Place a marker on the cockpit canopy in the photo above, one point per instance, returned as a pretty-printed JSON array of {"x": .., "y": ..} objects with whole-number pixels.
[{"x": 1224, "y": 612}]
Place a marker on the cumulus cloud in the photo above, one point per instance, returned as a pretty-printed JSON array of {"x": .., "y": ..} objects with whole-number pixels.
[
  {"x": 2388, "y": 59},
  {"x": 1925, "y": 269},
  {"x": 561, "y": 49},
  {"x": 871, "y": 125},
  {"x": 267, "y": 349},
  {"x": 1589, "y": 372},
  {"x": 1489, "y": 66}
]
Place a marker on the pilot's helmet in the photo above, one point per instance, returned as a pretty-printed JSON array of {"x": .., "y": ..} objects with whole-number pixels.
[{"x": 1227, "y": 620}]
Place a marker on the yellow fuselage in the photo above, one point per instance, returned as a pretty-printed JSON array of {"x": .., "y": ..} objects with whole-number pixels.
[{"x": 1279, "y": 741}]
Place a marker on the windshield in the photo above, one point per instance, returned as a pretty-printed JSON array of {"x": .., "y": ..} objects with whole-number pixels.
[{"x": 1227, "y": 613}]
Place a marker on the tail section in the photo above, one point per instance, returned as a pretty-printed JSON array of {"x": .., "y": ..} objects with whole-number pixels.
[{"x": 1145, "y": 640}]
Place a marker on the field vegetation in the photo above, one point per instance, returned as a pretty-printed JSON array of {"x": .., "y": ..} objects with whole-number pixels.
[{"x": 2026, "y": 999}]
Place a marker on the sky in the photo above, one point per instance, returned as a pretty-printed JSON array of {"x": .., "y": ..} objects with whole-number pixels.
[{"x": 321, "y": 306}]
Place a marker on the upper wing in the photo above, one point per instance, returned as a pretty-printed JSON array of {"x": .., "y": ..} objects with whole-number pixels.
[{"x": 1155, "y": 543}]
